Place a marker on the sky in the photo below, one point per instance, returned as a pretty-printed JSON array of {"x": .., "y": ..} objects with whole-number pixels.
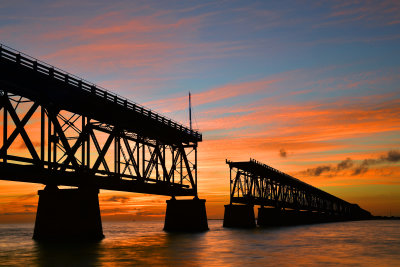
[{"x": 311, "y": 88}]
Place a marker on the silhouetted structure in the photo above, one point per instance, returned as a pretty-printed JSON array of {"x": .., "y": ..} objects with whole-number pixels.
[
  {"x": 194, "y": 212},
  {"x": 284, "y": 200},
  {"x": 86, "y": 136},
  {"x": 72, "y": 214}
]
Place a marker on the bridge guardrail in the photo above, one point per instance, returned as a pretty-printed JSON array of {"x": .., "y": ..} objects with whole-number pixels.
[{"x": 59, "y": 74}]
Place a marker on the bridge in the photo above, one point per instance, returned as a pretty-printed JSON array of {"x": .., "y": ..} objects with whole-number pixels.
[
  {"x": 283, "y": 199},
  {"x": 61, "y": 130}
]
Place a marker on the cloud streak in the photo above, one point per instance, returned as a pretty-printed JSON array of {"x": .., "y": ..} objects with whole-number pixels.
[{"x": 392, "y": 156}]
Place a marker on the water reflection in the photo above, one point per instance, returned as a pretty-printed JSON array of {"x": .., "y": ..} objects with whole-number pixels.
[
  {"x": 134, "y": 250},
  {"x": 67, "y": 254},
  {"x": 152, "y": 247},
  {"x": 144, "y": 243}
]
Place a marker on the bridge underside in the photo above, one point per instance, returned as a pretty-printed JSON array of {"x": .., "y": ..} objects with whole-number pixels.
[
  {"x": 283, "y": 199},
  {"x": 32, "y": 174}
]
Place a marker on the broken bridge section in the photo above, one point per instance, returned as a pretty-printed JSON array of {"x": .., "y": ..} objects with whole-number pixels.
[{"x": 283, "y": 199}]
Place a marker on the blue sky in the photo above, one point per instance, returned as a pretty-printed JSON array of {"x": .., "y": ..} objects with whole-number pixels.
[{"x": 318, "y": 79}]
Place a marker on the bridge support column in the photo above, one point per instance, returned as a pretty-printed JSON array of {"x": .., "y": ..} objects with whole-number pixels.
[
  {"x": 276, "y": 217},
  {"x": 241, "y": 216},
  {"x": 269, "y": 217},
  {"x": 291, "y": 217},
  {"x": 68, "y": 214},
  {"x": 186, "y": 215}
]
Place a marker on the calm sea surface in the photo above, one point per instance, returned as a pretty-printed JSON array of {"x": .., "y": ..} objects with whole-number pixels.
[{"x": 363, "y": 243}]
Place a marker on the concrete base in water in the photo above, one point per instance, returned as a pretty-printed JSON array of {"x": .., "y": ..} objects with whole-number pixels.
[
  {"x": 269, "y": 217},
  {"x": 186, "y": 215},
  {"x": 276, "y": 217},
  {"x": 241, "y": 216},
  {"x": 68, "y": 214}
]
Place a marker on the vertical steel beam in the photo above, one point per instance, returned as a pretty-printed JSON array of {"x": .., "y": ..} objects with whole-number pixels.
[
  {"x": 83, "y": 143},
  {"x": 143, "y": 160},
  {"x": 181, "y": 168},
  {"x": 195, "y": 167},
  {"x": 42, "y": 133},
  {"x": 49, "y": 134},
  {"x": 230, "y": 184},
  {"x": 55, "y": 142},
  {"x": 165, "y": 175},
  {"x": 138, "y": 156},
  {"x": 116, "y": 154},
  {"x": 89, "y": 129},
  {"x": 5, "y": 130},
  {"x": 172, "y": 172},
  {"x": 157, "y": 161}
]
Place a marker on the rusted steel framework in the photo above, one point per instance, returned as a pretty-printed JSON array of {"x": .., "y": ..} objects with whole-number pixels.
[
  {"x": 58, "y": 129},
  {"x": 255, "y": 183}
]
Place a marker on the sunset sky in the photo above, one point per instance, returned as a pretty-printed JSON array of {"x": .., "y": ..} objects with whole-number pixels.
[{"x": 311, "y": 88}]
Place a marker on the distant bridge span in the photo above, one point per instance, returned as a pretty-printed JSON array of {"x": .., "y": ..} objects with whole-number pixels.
[
  {"x": 58, "y": 129},
  {"x": 255, "y": 183}
]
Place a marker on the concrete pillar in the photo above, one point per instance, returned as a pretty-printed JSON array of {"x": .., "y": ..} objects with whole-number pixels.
[
  {"x": 68, "y": 214},
  {"x": 241, "y": 216},
  {"x": 186, "y": 215},
  {"x": 276, "y": 217},
  {"x": 312, "y": 217},
  {"x": 269, "y": 217},
  {"x": 291, "y": 217}
]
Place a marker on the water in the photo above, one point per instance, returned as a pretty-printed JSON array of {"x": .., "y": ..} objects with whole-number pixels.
[{"x": 362, "y": 243}]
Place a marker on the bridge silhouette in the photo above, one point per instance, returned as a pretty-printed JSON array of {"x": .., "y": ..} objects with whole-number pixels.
[
  {"x": 283, "y": 199},
  {"x": 61, "y": 130}
]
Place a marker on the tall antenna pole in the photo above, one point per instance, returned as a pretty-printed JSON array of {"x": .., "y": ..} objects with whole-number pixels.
[{"x": 190, "y": 110}]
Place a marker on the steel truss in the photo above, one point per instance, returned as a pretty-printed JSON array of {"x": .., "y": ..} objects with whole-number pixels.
[
  {"x": 43, "y": 144},
  {"x": 255, "y": 183}
]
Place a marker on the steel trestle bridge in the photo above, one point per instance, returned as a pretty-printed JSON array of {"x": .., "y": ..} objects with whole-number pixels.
[
  {"x": 60, "y": 130},
  {"x": 73, "y": 132},
  {"x": 283, "y": 199}
]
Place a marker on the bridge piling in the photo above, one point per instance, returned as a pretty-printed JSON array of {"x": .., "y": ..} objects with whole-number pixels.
[
  {"x": 269, "y": 217},
  {"x": 68, "y": 214},
  {"x": 239, "y": 216},
  {"x": 187, "y": 215}
]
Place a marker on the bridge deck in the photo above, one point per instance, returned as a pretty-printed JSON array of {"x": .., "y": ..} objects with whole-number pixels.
[
  {"x": 34, "y": 174},
  {"x": 50, "y": 86}
]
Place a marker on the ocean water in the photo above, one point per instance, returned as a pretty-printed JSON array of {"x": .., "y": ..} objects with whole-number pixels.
[{"x": 358, "y": 243}]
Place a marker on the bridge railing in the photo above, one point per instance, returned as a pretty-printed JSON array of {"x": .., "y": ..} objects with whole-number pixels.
[{"x": 25, "y": 60}]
